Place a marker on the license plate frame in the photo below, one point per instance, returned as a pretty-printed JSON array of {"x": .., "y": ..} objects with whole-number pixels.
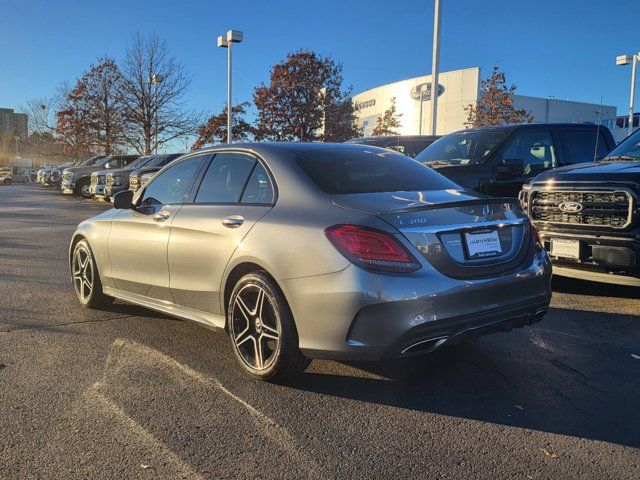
[
  {"x": 565, "y": 248},
  {"x": 482, "y": 244}
]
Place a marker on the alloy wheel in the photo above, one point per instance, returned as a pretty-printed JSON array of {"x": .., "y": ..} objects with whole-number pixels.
[
  {"x": 255, "y": 328},
  {"x": 82, "y": 273}
]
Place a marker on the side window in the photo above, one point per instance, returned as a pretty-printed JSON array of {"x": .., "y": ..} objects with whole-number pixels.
[
  {"x": 172, "y": 185},
  {"x": 534, "y": 148},
  {"x": 259, "y": 188},
  {"x": 580, "y": 145},
  {"x": 225, "y": 178},
  {"x": 127, "y": 160}
]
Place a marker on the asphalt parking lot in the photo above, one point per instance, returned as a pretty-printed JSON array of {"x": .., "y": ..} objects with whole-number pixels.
[{"x": 129, "y": 393}]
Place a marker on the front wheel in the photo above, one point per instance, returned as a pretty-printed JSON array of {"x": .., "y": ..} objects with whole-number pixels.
[
  {"x": 83, "y": 189},
  {"x": 262, "y": 329},
  {"x": 86, "y": 279}
]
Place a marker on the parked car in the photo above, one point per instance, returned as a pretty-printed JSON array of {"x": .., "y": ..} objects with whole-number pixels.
[
  {"x": 155, "y": 165},
  {"x": 409, "y": 145},
  {"x": 42, "y": 175},
  {"x": 144, "y": 179},
  {"x": 312, "y": 250},
  {"x": 589, "y": 218},
  {"x": 5, "y": 177},
  {"x": 499, "y": 160},
  {"x": 77, "y": 180},
  {"x": 118, "y": 180},
  {"x": 56, "y": 173}
]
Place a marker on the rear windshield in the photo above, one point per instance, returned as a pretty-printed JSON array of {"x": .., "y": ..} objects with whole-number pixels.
[{"x": 344, "y": 171}]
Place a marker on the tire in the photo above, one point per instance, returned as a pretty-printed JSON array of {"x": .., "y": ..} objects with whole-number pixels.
[
  {"x": 263, "y": 329},
  {"x": 6, "y": 181},
  {"x": 85, "y": 276},
  {"x": 82, "y": 189}
]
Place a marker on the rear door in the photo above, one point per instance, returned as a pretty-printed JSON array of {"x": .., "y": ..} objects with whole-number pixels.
[
  {"x": 236, "y": 190},
  {"x": 537, "y": 151},
  {"x": 579, "y": 145}
]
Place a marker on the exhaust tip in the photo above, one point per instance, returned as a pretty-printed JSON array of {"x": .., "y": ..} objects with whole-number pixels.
[{"x": 424, "y": 346}]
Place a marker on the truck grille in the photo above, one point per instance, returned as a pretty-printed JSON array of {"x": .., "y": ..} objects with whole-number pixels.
[
  {"x": 594, "y": 208},
  {"x": 55, "y": 175}
]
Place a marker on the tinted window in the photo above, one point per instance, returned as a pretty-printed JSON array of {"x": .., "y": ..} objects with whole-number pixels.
[
  {"x": 172, "y": 185},
  {"x": 629, "y": 148},
  {"x": 534, "y": 148},
  {"x": 580, "y": 145},
  {"x": 339, "y": 171},
  {"x": 463, "y": 148},
  {"x": 259, "y": 188},
  {"x": 225, "y": 178}
]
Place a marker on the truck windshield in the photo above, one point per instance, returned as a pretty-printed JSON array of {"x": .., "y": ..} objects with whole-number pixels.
[
  {"x": 462, "y": 148},
  {"x": 629, "y": 149}
]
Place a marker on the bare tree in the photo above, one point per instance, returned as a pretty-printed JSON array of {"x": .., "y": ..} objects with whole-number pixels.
[{"x": 155, "y": 111}]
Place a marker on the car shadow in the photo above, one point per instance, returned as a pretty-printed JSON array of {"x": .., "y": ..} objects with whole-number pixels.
[
  {"x": 544, "y": 379},
  {"x": 584, "y": 287}
]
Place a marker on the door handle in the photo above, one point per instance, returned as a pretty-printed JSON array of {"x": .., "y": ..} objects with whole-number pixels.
[
  {"x": 233, "y": 221},
  {"x": 161, "y": 216}
]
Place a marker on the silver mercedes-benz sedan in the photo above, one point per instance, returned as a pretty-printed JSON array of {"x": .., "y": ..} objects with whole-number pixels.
[{"x": 310, "y": 250}]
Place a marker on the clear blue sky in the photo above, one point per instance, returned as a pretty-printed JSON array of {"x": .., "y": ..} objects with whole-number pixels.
[{"x": 563, "y": 48}]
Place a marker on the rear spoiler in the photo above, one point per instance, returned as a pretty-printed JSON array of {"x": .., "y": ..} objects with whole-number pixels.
[{"x": 461, "y": 203}]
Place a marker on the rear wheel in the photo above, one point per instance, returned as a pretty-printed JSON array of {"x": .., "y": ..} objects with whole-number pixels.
[
  {"x": 86, "y": 279},
  {"x": 6, "y": 181},
  {"x": 262, "y": 329}
]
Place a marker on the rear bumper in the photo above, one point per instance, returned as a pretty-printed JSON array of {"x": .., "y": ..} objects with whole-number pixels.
[{"x": 358, "y": 315}]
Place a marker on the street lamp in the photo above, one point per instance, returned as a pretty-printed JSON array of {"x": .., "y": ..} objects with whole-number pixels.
[
  {"x": 633, "y": 60},
  {"x": 233, "y": 36},
  {"x": 154, "y": 80},
  {"x": 435, "y": 63}
]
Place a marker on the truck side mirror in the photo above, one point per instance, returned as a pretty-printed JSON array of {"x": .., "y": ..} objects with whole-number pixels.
[
  {"x": 123, "y": 200},
  {"x": 510, "y": 168}
]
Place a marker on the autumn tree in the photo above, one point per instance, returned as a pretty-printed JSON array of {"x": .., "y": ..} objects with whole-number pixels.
[
  {"x": 495, "y": 105},
  {"x": 304, "y": 101},
  {"x": 215, "y": 130},
  {"x": 155, "y": 111},
  {"x": 389, "y": 122},
  {"x": 101, "y": 92},
  {"x": 72, "y": 128}
]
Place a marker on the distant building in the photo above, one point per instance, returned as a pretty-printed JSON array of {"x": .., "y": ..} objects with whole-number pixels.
[
  {"x": 456, "y": 90},
  {"x": 15, "y": 123}
]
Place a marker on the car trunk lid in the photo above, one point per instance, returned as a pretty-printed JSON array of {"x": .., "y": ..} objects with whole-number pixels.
[{"x": 462, "y": 234}]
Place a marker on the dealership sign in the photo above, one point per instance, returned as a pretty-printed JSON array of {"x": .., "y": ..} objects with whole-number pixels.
[{"x": 424, "y": 90}]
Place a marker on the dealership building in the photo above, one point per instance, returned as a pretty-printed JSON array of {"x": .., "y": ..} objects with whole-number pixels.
[{"x": 457, "y": 89}]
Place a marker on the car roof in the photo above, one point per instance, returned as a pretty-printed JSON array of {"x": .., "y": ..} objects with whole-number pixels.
[
  {"x": 290, "y": 147},
  {"x": 393, "y": 137},
  {"x": 526, "y": 126}
]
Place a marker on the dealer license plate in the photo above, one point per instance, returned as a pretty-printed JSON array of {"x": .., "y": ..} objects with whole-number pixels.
[
  {"x": 561, "y": 247},
  {"x": 483, "y": 244}
]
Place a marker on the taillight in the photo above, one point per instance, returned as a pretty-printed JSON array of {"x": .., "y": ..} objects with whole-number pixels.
[{"x": 372, "y": 249}]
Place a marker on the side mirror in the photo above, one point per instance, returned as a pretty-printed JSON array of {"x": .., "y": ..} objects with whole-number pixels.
[
  {"x": 123, "y": 200},
  {"x": 510, "y": 168}
]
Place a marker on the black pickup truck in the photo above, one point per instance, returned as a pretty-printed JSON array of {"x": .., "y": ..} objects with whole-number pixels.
[
  {"x": 498, "y": 160},
  {"x": 588, "y": 216}
]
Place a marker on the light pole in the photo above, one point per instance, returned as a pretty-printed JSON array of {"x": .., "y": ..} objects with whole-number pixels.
[
  {"x": 233, "y": 36},
  {"x": 17, "y": 139},
  {"x": 154, "y": 80},
  {"x": 633, "y": 60},
  {"x": 435, "y": 60}
]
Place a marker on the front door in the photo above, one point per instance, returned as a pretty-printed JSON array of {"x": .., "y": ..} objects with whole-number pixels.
[
  {"x": 139, "y": 237},
  {"x": 235, "y": 192}
]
